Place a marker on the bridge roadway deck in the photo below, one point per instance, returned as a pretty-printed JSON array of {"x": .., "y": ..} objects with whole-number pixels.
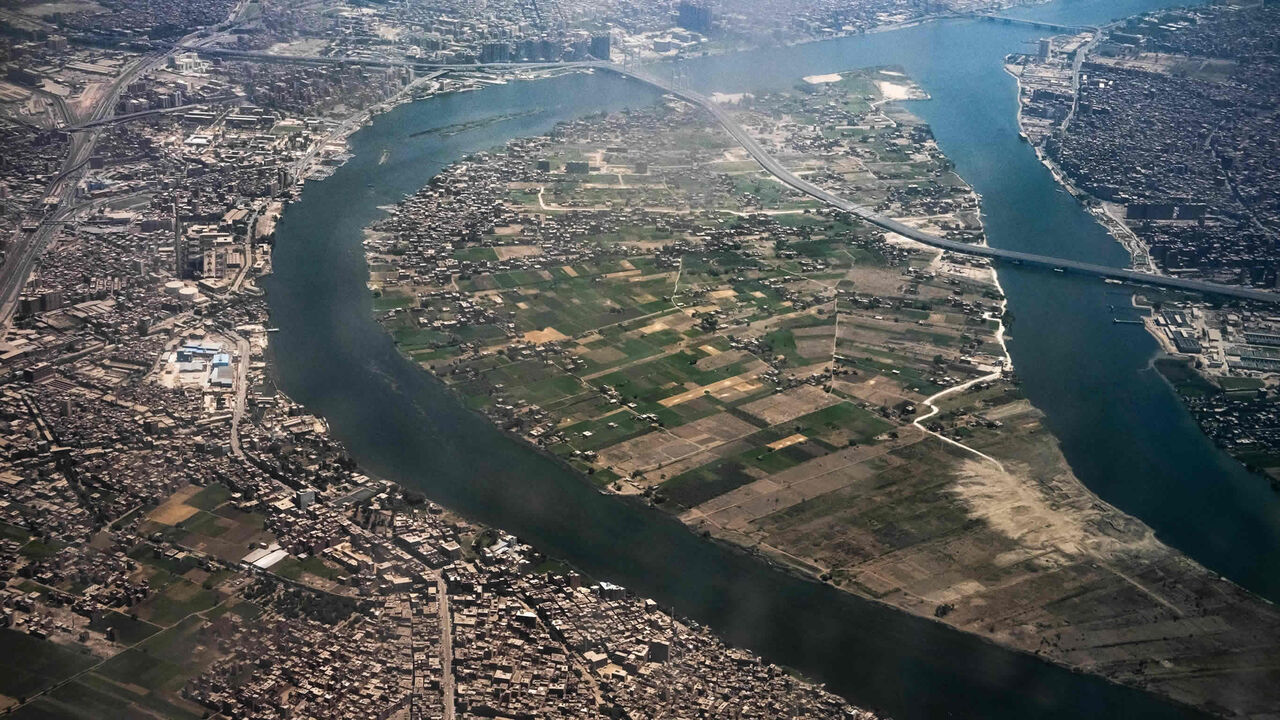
[
  {"x": 1039, "y": 25},
  {"x": 771, "y": 164}
]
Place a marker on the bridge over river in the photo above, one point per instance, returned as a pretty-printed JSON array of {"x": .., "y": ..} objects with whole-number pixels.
[
  {"x": 771, "y": 164},
  {"x": 1039, "y": 25}
]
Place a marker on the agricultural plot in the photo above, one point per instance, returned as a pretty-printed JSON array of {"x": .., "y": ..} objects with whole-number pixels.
[
  {"x": 29, "y": 665},
  {"x": 205, "y": 520}
]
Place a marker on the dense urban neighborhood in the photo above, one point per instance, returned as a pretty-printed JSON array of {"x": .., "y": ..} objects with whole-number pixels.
[{"x": 1167, "y": 124}]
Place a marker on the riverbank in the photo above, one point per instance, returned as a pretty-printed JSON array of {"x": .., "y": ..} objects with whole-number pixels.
[
  {"x": 1139, "y": 253},
  {"x": 1198, "y": 334}
]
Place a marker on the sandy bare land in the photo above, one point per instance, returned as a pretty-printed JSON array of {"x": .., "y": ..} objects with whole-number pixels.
[
  {"x": 545, "y": 335},
  {"x": 894, "y": 91},
  {"x": 506, "y": 252}
]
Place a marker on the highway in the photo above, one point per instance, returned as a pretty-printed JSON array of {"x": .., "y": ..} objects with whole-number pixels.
[
  {"x": 23, "y": 250},
  {"x": 243, "y": 353},
  {"x": 446, "y": 647},
  {"x": 372, "y": 62},
  {"x": 1039, "y": 25},
  {"x": 775, "y": 168},
  {"x": 127, "y": 117}
]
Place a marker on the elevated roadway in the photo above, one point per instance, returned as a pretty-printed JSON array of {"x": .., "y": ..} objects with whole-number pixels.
[
  {"x": 775, "y": 168},
  {"x": 1039, "y": 25},
  {"x": 24, "y": 250},
  {"x": 373, "y": 62}
]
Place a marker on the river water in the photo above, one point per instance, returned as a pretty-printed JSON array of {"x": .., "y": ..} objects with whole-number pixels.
[{"x": 1122, "y": 429}]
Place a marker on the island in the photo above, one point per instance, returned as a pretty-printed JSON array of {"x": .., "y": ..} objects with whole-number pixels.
[{"x": 636, "y": 296}]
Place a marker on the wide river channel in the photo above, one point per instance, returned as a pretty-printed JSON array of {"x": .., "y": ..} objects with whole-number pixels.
[{"x": 1121, "y": 427}]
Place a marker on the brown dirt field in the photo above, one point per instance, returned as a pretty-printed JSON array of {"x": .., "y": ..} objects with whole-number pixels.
[
  {"x": 506, "y": 252},
  {"x": 788, "y": 441},
  {"x": 621, "y": 274},
  {"x": 815, "y": 347},
  {"x": 718, "y": 359},
  {"x": 605, "y": 356},
  {"x": 877, "y": 281},
  {"x": 175, "y": 510},
  {"x": 739, "y": 508},
  {"x": 655, "y": 449},
  {"x": 877, "y": 390},
  {"x": 817, "y": 330},
  {"x": 653, "y": 327},
  {"x": 1025, "y": 556},
  {"x": 545, "y": 335},
  {"x": 726, "y": 389},
  {"x": 785, "y": 406}
]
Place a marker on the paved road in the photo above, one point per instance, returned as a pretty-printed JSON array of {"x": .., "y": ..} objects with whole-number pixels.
[
  {"x": 25, "y": 250},
  {"x": 771, "y": 164},
  {"x": 372, "y": 62},
  {"x": 446, "y": 647},
  {"x": 992, "y": 17},
  {"x": 241, "y": 391}
]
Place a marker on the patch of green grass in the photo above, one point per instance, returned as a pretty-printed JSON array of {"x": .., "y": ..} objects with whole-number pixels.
[
  {"x": 13, "y": 532},
  {"x": 476, "y": 253},
  {"x": 203, "y": 523},
  {"x": 88, "y": 697},
  {"x": 210, "y": 497},
  {"x": 773, "y": 461},
  {"x": 39, "y": 549},
  {"x": 1240, "y": 384},
  {"x": 1261, "y": 460},
  {"x": 161, "y": 662},
  {"x": 293, "y": 568},
  {"x": 601, "y": 434},
  {"x": 128, "y": 630},
  {"x": 391, "y": 301},
  {"x": 178, "y": 600},
  {"x": 1184, "y": 378},
  {"x": 701, "y": 484},
  {"x": 253, "y": 520},
  {"x": 550, "y": 567},
  {"x": 861, "y": 424},
  {"x": 146, "y": 554},
  {"x": 29, "y": 664}
]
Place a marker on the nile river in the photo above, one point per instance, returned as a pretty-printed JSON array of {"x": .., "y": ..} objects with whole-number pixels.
[{"x": 1121, "y": 427}]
